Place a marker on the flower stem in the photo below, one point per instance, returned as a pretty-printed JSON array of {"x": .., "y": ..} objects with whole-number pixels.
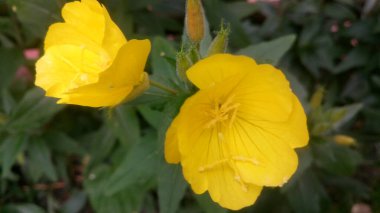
[{"x": 162, "y": 87}]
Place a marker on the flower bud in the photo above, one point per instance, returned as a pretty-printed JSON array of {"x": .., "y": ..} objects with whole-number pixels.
[
  {"x": 220, "y": 42},
  {"x": 344, "y": 140},
  {"x": 317, "y": 98},
  {"x": 195, "y": 20},
  {"x": 183, "y": 64}
]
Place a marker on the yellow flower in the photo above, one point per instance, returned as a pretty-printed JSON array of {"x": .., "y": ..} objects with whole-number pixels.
[
  {"x": 238, "y": 132},
  {"x": 87, "y": 59}
]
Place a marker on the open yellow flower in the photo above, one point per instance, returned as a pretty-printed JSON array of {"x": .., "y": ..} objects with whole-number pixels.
[
  {"x": 238, "y": 132},
  {"x": 88, "y": 61}
]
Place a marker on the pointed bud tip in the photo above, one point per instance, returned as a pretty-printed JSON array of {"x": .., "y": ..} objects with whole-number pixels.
[{"x": 195, "y": 20}]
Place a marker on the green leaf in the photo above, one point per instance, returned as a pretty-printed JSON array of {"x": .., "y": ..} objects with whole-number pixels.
[
  {"x": 11, "y": 147},
  {"x": 269, "y": 52},
  {"x": 60, "y": 142},
  {"x": 128, "y": 199},
  {"x": 207, "y": 205},
  {"x": 10, "y": 60},
  {"x": 153, "y": 117},
  {"x": 125, "y": 125},
  {"x": 75, "y": 203},
  {"x": 163, "y": 70},
  {"x": 336, "y": 159},
  {"x": 307, "y": 194},
  {"x": 40, "y": 159},
  {"x": 32, "y": 111},
  {"x": 22, "y": 208},
  {"x": 242, "y": 9},
  {"x": 99, "y": 144},
  {"x": 138, "y": 167},
  {"x": 8, "y": 101},
  {"x": 218, "y": 10},
  {"x": 342, "y": 115},
  {"x": 36, "y": 15},
  {"x": 355, "y": 58},
  {"x": 171, "y": 187},
  {"x": 305, "y": 159}
]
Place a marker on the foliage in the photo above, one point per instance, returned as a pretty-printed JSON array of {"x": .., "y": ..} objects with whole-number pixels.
[{"x": 56, "y": 158}]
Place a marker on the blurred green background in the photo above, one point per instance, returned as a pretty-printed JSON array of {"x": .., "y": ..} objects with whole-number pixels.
[{"x": 57, "y": 158}]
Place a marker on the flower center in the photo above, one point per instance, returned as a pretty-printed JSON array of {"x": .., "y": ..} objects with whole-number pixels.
[{"x": 222, "y": 111}]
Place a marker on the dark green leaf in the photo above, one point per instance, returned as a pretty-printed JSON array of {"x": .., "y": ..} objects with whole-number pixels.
[
  {"x": 128, "y": 199},
  {"x": 36, "y": 15},
  {"x": 307, "y": 194},
  {"x": 336, "y": 159},
  {"x": 11, "y": 147},
  {"x": 125, "y": 125},
  {"x": 41, "y": 159},
  {"x": 138, "y": 167},
  {"x": 10, "y": 60},
  {"x": 22, "y": 208},
  {"x": 207, "y": 205},
  {"x": 153, "y": 117},
  {"x": 32, "y": 111},
  {"x": 162, "y": 69},
  {"x": 76, "y": 202},
  {"x": 269, "y": 52},
  {"x": 171, "y": 187}
]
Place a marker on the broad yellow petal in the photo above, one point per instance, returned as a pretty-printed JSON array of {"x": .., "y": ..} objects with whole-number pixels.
[
  {"x": 93, "y": 96},
  {"x": 80, "y": 17},
  {"x": 114, "y": 38},
  {"x": 206, "y": 160},
  {"x": 226, "y": 189},
  {"x": 217, "y": 68},
  {"x": 115, "y": 83},
  {"x": 66, "y": 67},
  {"x": 294, "y": 130},
  {"x": 261, "y": 157},
  {"x": 128, "y": 67},
  {"x": 172, "y": 154},
  {"x": 263, "y": 95},
  {"x": 87, "y": 18},
  {"x": 65, "y": 34},
  {"x": 297, "y": 125}
]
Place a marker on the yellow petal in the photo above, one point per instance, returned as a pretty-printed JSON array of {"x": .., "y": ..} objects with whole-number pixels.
[
  {"x": 226, "y": 189},
  {"x": 66, "y": 67},
  {"x": 139, "y": 88},
  {"x": 171, "y": 143},
  {"x": 261, "y": 157},
  {"x": 114, "y": 38},
  {"x": 92, "y": 28},
  {"x": 217, "y": 68},
  {"x": 116, "y": 83},
  {"x": 297, "y": 126},
  {"x": 64, "y": 34},
  {"x": 94, "y": 96},
  {"x": 206, "y": 160},
  {"x": 129, "y": 64},
  {"x": 87, "y": 18},
  {"x": 263, "y": 94}
]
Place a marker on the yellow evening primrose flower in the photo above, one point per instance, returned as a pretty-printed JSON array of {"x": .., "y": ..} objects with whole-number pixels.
[
  {"x": 88, "y": 61},
  {"x": 238, "y": 132}
]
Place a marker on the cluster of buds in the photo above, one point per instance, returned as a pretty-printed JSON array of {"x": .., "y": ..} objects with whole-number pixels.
[
  {"x": 196, "y": 24},
  {"x": 322, "y": 120}
]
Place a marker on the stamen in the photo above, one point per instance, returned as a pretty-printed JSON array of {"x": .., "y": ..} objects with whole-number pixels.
[
  {"x": 222, "y": 111},
  {"x": 245, "y": 159},
  {"x": 212, "y": 165}
]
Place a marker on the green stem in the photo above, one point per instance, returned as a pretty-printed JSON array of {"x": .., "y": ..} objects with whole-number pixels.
[{"x": 163, "y": 87}]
